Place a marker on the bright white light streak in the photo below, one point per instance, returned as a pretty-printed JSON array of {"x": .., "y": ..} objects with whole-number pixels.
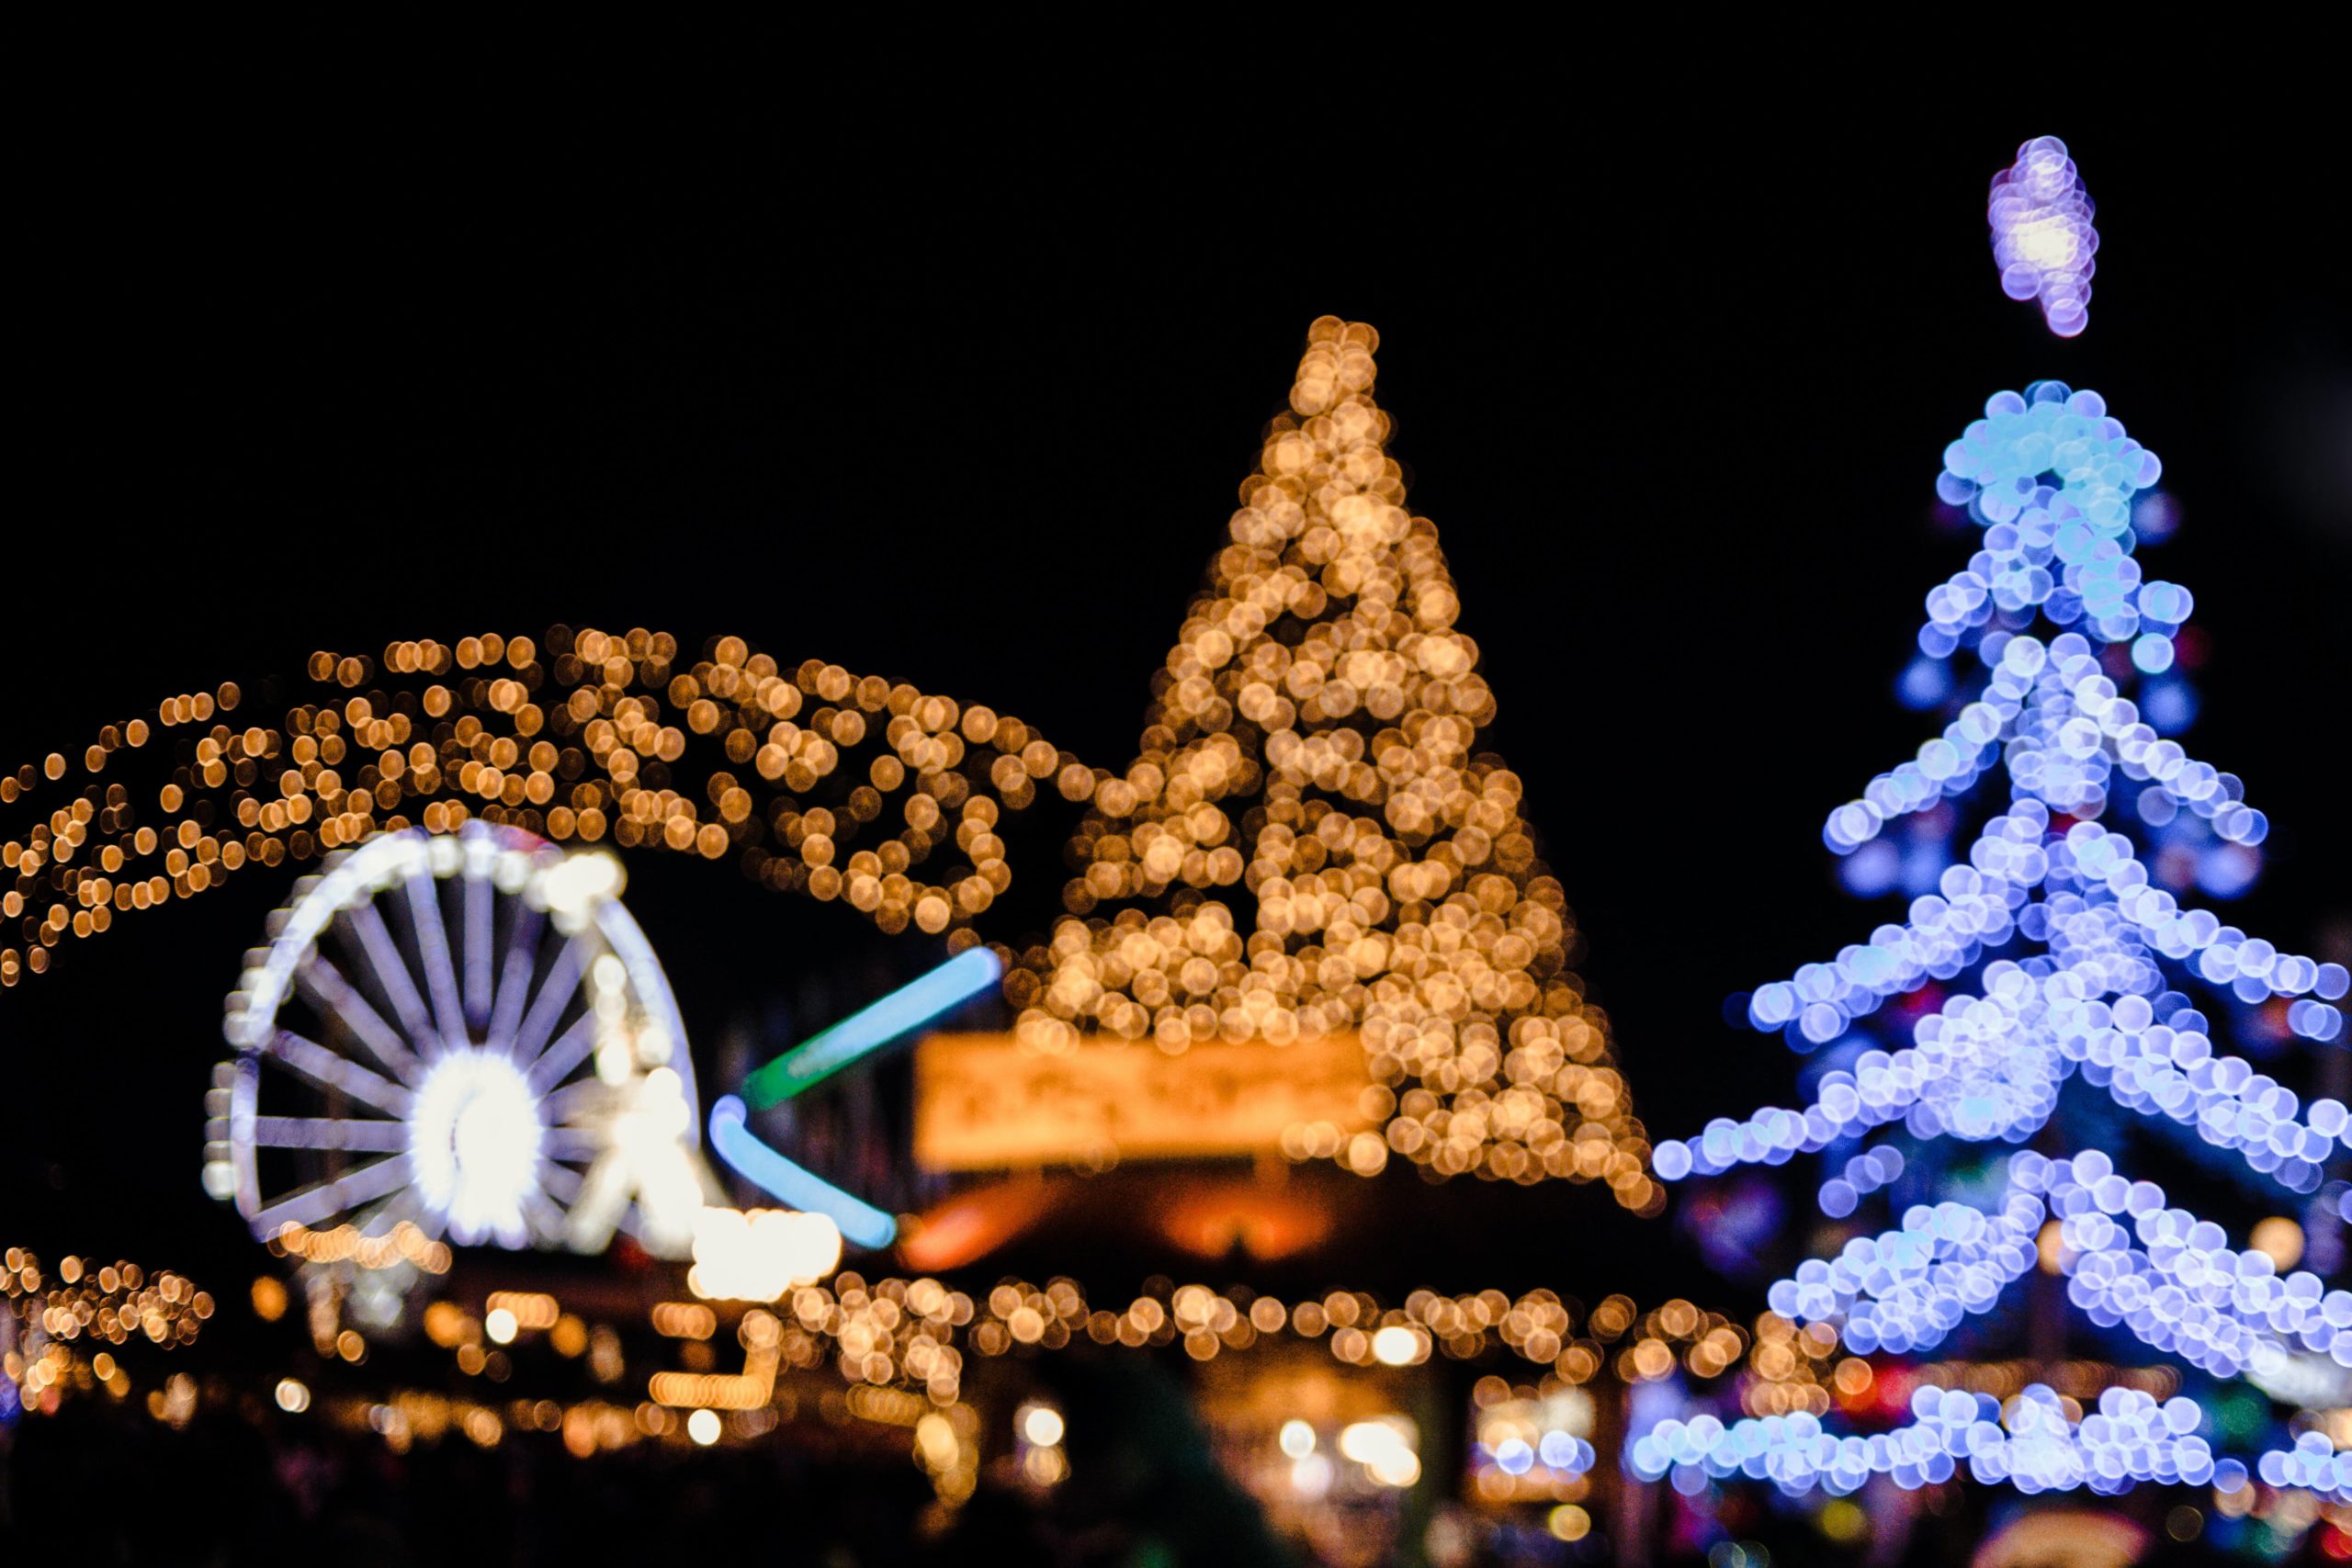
[
  {"x": 574, "y": 1143},
  {"x": 547, "y": 1219},
  {"x": 401, "y": 1206},
  {"x": 597, "y": 1204}
]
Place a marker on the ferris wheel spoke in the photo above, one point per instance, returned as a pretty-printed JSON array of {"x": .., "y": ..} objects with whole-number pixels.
[
  {"x": 573, "y": 1142},
  {"x": 330, "y": 1133},
  {"x": 555, "y": 994},
  {"x": 327, "y": 1070},
  {"x": 330, "y": 1197},
  {"x": 515, "y": 984},
  {"x": 423, "y": 1215},
  {"x": 402, "y": 1207},
  {"x": 564, "y": 1104},
  {"x": 571, "y": 1048},
  {"x": 559, "y": 1182},
  {"x": 546, "y": 1221},
  {"x": 482, "y": 932},
  {"x": 644, "y": 1227},
  {"x": 323, "y": 984},
  {"x": 440, "y": 968},
  {"x": 603, "y": 1199},
  {"x": 391, "y": 973}
]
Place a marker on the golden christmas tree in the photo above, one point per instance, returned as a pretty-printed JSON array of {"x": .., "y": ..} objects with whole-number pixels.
[{"x": 1311, "y": 841}]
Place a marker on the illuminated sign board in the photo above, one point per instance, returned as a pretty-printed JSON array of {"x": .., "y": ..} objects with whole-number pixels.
[{"x": 984, "y": 1102}]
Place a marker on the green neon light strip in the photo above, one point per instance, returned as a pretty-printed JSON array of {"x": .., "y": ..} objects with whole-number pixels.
[{"x": 862, "y": 1034}]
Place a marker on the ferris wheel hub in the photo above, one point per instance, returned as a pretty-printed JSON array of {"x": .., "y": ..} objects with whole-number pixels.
[{"x": 476, "y": 1130}]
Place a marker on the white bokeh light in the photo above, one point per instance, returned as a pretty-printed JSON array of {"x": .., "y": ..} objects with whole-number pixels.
[{"x": 475, "y": 1132}]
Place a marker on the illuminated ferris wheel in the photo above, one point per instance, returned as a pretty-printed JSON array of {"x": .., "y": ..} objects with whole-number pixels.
[{"x": 467, "y": 1033}]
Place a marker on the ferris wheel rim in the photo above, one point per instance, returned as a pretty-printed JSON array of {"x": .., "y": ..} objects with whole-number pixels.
[{"x": 502, "y": 1018}]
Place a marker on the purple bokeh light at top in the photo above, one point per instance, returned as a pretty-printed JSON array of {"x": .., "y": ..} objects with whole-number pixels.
[{"x": 2042, "y": 237}]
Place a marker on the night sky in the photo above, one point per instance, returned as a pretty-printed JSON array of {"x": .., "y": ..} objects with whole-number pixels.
[{"x": 974, "y": 417}]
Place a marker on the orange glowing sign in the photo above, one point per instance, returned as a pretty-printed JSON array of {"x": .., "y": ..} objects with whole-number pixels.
[{"x": 984, "y": 1102}]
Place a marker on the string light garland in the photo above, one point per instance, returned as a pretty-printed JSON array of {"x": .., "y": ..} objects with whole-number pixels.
[
  {"x": 578, "y": 738},
  {"x": 2187, "y": 1291},
  {"x": 404, "y": 1245},
  {"x": 2312, "y": 1464},
  {"x": 2029, "y": 1443},
  {"x": 898, "y": 1352},
  {"x": 904, "y": 1338}
]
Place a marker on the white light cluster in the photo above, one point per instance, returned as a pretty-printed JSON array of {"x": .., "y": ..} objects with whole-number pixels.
[
  {"x": 476, "y": 1130},
  {"x": 2312, "y": 1464},
  {"x": 2029, "y": 1442},
  {"x": 1559, "y": 1452},
  {"x": 759, "y": 1255},
  {"x": 2182, "y": 1289},
  {"x": 1385, "y": 1448},
  {"x": 1903, "y": 1290}
]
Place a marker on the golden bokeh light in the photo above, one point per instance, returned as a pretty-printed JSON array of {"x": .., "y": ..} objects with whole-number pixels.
[{"x": 60, "y": 1331}]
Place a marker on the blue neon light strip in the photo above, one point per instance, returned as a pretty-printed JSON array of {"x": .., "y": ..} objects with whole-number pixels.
[
  {"x": 860, "y": 1223},
  {"x": 862, "y": 1034}
]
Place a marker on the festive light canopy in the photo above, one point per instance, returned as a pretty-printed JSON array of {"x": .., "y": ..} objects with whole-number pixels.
[{"x": 1311, "y": 844}]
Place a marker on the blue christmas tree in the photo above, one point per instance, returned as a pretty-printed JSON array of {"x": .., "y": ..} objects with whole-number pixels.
[{"x": 2054, "y": 960}]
